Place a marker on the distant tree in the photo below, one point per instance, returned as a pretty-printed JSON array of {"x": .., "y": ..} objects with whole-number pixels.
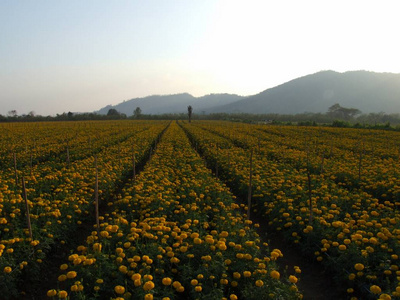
[
  {"x": 334, "y": 108},
  {"x": 113, "y": 112},
  {"x": 137, "y": 112},
  {"x": 12, "y": 113},
  {"x": 340, "y": 112},
  {"x": 31, "y": 114},
  {"x": 70, "y": 115},
  {"x": 190, "y": 110}
]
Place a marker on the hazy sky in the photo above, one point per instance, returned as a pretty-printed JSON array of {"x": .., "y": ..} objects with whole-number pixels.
[{"x": 75, "y": 55}]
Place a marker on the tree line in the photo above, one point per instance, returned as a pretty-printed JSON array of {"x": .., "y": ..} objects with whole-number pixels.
[{"x": 336, "y": 115}]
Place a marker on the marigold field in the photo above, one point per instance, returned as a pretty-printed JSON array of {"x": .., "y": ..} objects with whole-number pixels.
[{"x": 158, "y": 209}]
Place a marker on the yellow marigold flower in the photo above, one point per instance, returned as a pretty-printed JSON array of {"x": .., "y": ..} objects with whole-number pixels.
[
  {"x": 176, "y": 284},
  {"x": 274, "y": 255},
  {"x": 148, "y": 297},
  {"x": 197, "y": 241},
  {"x": 387, "y": 272},
  {"x": 7, "y": 270},
  {"x": 119, "y": 289},
  {"x": 71, "y": 274},
  {"x": 166, "y": 281},
  {"x": 259, "y": 283},
  {"x": 233, "y": 297},
  {"x": 147, "y": 277},
  {"x": 359, "y": 267},
  {"x": 275, "y": 274},
  {"x": 293, "y": 279},
  {"x": 104, "y": 233},
  {"x": 123, "y": 269},
  {"x": 97, "y": 247},
  {"x": 51, "y": 293},
  {"x": 62, "y": 277},
  {"x": 384, "y": 297},
  {"x": 74, "y": 288},
  {"x": 222, "y": 246},
  {"x": 373, "y": 240},
  {"x": 62, "y": 294},
  {"x": 136, "y": 276},
  {"x": 194, "y": 282},
  {"x": 246, "y": 273},
  {"x": 180, "y": 289},
  {"x": 198, "y": 288},
  {"x": 375, "y": 289},
  {"x": 63, "y": 267},
  {"x": 148, "y": 285}
]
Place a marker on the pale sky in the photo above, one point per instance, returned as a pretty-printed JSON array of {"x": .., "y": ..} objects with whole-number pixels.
[{"x": 79, "y": 56}]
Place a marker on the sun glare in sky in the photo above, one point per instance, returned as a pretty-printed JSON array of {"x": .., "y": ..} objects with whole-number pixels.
[{"x": 80, "y": 56}]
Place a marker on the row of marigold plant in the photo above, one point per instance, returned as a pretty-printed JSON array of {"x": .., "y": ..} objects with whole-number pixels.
[
  {"x": 350, "y": 230},
  {"x": 60, "y": 198},
  {"x": 175, "y": 232}
]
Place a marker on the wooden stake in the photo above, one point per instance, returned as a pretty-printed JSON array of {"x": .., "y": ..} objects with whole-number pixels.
[
  {"x": 96, "y": 198},
  {"x": 28, "y": 217},
  {"x": 68, "y": 161},
  {"x": 359, "y": 165},
  {"x": 119, "y": 155},
  {"x": 322, "y": 162},
  {"x": 250, "y": 186},
  {"x": 399, "y": 152},
  {"x": 309, "y": 187},
  {"x": 15, "y": 168},
  {"x": 216, "y": 163},
  {"x": 134, "y": 164},
  {"x": 31, "y": 164}
]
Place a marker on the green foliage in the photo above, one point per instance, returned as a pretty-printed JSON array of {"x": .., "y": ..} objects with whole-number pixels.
[{"x": 137, "y": 113}]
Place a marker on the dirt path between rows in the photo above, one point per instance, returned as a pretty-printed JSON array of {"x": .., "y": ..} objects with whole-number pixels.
[{"x": 315, "y": 283}]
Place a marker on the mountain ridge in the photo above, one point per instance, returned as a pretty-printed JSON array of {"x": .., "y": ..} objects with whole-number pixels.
[
  {"x": 174, "y": 103},
  {"x": 364, "y": 90},
  {"x": 315, "y": 93}
]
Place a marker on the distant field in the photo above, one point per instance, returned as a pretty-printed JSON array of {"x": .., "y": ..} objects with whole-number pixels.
[{"x": 157, "y": 209}]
